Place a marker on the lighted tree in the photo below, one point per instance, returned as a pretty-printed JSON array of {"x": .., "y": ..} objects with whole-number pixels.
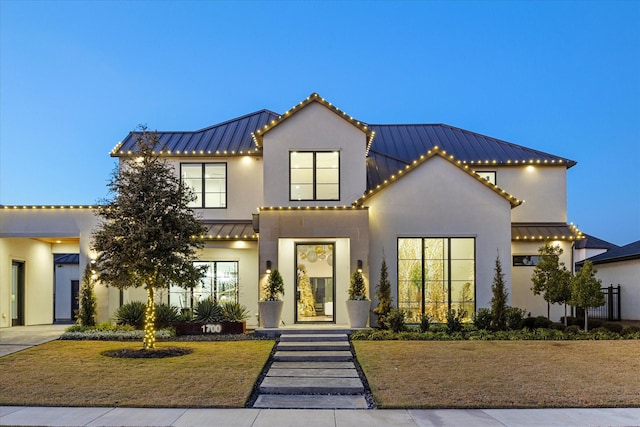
[
  {"x": 499, "y": 298},
  {"x": 383, "y": 295},
  {"x": 86, "y": 313},
  {"x": 550, "y": 277},
  {"x": 306, "y": 302},
  {"x": 586, "y": 290},
  {"x": 148, "y": 235}
]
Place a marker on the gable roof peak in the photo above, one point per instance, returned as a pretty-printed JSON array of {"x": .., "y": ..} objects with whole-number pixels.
[{"x": 258, "y": 135}]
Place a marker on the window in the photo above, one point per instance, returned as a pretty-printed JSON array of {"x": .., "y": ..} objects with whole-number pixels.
[
  {"x": 525, "y": 260},
  {"x": 488, "y": 175},
  {"x": 314, "y": 175},
  {"x": 220, "y": 283},
  {"x": 208, "y": 181},
  {"x": 436, "y": 275}
]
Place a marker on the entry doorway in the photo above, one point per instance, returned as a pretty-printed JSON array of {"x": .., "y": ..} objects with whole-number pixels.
[
  {"x": 315, "y": 282},
  {"x": 17, "y": 293}
]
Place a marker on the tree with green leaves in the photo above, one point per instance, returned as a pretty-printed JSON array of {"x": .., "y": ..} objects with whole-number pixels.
[
  {"x": 86, "y": 313},
  {"x": 499, "y": 298},
  {"x": 551, "y": 278},
  {"x": 586, "y": 290},
  {"x": 148, "y": 235},
  {"x": 383, "y": 295},
  {"x": 357, "y": 289}
]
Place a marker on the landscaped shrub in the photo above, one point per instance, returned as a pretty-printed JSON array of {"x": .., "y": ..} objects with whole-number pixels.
[
  {"x": 454, "y": 320},
  {"x": 542, "y": 322},
  {"x": 396, "y": 320},
  {"x": 425, "y": 323},
  {"x": 571, "y": 320},
  {"x": 557, "y": 326},
  {"x": 482, "y": 319},
  {"x": 515, "y": 317},
  {"x": 131, "y": 313},
  {"x": 208, "y": 310},
  {"x": 166, "y": 313},
  {"x": 629, "y": 331},
  {"x": 573, "y": 329},
  {"x": 234, "y": 312},
  {"x": 593, "y": 323},
  {"x": 603, "y": 334},
  {"x": 185, "y": 316},
  {"x": 612, "y": 326},
  {"x": 529, "y": 323}
]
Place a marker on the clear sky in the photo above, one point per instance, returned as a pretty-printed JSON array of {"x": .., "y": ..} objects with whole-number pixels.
[{"x": 561, "y": 77}]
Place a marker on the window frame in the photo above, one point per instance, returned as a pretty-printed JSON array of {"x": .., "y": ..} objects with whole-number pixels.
[
  {"x": 314, "y": 176},
  {"x": 203, "y": 191}
]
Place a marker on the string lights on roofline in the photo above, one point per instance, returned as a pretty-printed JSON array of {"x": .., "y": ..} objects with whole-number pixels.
[
  {"x": 311, "y": 208},
  {"x": 49, "y": 207}
]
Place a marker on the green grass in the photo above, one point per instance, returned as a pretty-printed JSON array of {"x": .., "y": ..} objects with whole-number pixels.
[
  {"x": 74, "y": 373},
  {"x": 502, "y": 374}
]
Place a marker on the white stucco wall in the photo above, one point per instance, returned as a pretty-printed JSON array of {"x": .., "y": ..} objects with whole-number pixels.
[
  {"x": 314, "y": 128},
  {"x": 627, "y": 275},
  {"x": 437, "y": 199},
  {"x": 543, "y": 188}
]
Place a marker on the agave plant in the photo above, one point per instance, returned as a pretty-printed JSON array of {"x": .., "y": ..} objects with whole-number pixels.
[
  {"x": 166, "y": 313},
  {"x": 207, "y": 310},
  {"x": 234, "y": 312},
  {"x": 131, "y": 313}
]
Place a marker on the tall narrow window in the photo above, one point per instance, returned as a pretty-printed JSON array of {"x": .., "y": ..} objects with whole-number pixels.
[
  {"x": 314, "y": 175},
  {"x": 208, "y": 181},
  {"x": 436, "y": 275}
]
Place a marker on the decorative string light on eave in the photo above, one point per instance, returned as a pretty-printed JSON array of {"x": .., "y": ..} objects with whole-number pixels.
[
  {"x": 314, "y": 97},
  {"x": 577, "y": 235},
  {"x": 449, "y": 157},
  {"x": 310, "y": 208},
  {"x": 514, "y": 162},
  {"x": 194, "y": 153},
  {"x": 49, "y": 207},
  {"x": 225, "y": 237}
]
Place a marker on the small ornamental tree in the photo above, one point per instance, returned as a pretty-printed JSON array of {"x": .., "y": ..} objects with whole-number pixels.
[
  {"x": 274, "y": 287},
  {"x": 148, "y": 235},
  {"x": 550, "y": 277},
  {"x": 585, "y": 290},
  {"x": 86, "y": 313},
  {"x": 383, "y": 295},
  {"x": 499, "y": 299},
  {"x": 357, "y": 289}
]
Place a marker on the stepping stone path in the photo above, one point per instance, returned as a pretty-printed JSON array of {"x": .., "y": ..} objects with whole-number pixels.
[{"x": 312, "y": 370}]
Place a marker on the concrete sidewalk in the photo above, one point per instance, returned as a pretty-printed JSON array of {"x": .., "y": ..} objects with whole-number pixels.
[
  {"x": 19, "y": 338},
  {"x": 42, "y": 416}
]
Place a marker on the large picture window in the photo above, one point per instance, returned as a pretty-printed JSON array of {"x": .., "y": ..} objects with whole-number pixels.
[
  {"x": 208, "y": 181},
  {"x": 436, "y": 275},
  {"x": 219, "y": 283},
  {"x": 314, "y": 175}
]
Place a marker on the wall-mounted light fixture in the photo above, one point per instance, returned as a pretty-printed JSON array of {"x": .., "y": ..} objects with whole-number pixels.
[
  {"x": 359, "y": 266},
  {"x": 268, "y": 266}
]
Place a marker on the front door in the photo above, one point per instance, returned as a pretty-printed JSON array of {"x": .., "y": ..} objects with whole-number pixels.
[
  {"x": 315, "y": 282},
  {"x": 17, "y": 293}
]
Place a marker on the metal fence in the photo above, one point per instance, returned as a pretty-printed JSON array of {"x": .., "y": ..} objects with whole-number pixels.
[{"x": 611, "y": 309}]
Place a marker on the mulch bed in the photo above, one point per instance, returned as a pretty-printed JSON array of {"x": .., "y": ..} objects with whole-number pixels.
[{"x": 159, "y": 353}]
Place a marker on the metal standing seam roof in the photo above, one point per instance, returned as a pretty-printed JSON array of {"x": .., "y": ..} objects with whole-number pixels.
[
  {"x": 544, "y": 231},
  {"x": 227, "y": 230},
  {"x": 622, "y": 253},
  {"x": 590, "y": 242}
]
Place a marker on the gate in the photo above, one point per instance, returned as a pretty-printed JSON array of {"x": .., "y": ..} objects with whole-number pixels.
[{"x": 610, "y": 311}]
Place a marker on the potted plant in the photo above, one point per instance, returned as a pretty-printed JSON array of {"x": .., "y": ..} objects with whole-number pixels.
[
  {"x": 358, "y": 304},
  {"x": 270, "y": 308}
]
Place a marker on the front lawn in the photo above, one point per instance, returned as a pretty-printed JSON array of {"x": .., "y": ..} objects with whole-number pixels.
[
  {"x": 75, "y": 373},
  {"x": 502, "y": 374}
]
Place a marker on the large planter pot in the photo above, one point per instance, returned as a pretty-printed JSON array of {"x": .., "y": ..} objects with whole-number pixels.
[
  {"x": 358, "y": 311},
  {"x": 213, "y": 328},
  {"x": 270, "y": 313}
]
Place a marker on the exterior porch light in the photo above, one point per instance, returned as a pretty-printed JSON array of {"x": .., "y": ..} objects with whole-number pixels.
[
  {"x": 359, "y": 266},
  {"x": 268, "y": 266}
]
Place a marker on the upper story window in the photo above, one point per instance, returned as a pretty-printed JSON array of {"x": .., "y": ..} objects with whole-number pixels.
[
  {"x": 314, "y": 175},
  {"x": 488, "y": 175},
  {"x": 208, "y": 181}
]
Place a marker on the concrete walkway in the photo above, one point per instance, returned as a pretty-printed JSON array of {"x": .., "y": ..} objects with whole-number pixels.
[
  {"x": 19, "y": 338},
  {"x": 95, "y": 417}
]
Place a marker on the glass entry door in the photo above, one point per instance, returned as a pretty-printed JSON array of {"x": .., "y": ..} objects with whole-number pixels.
[
  {"x": 17, "y": 293},
  {"x": 315, "y": 284}
]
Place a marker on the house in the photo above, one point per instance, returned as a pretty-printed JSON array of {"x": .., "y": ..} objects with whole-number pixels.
[
  {"x": 620, "y": 266},
  {"x": 316, "y": 193}
]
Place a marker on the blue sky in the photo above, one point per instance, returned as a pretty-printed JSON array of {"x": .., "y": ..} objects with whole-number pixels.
[{"x": 561, "y": 77}]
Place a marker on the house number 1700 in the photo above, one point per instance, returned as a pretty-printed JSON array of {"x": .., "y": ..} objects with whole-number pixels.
[{"x": 212, "y": 328}]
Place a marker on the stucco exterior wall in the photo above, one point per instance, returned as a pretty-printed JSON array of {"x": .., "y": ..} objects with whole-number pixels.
[
  {"x": 543, "y": 188},
  {"x": 437, "y": 199},
  {"x": 314, "y": 128},
  {"x": 627, "y": 275}
]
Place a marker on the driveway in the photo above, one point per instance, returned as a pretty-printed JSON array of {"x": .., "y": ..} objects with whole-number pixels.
[{"x": 19, "y": 338}]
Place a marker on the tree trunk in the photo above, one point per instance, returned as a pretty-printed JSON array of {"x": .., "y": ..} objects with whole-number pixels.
[
  {"x": 149, "y": 341},
  {"x": 586, "y": 321},
  {"x": 565, "y": 315}
]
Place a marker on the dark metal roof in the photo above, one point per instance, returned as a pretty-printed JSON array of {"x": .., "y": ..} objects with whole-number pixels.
[
  {"x": 226, "y": 230},
  {"x": 622, "y": 253},
  {"x": 544, "y": 231},
  {"x": 396, "y": 146},
  {"x": 66, "y": 259},
  {"x": 590, "y": 242},
  {"x": 230, "y": 137}
]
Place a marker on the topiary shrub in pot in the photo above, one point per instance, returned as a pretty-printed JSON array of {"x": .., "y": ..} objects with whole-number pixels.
[
  {"x": 270, "y": 308},
  {"x": 358, "y": 304}
]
